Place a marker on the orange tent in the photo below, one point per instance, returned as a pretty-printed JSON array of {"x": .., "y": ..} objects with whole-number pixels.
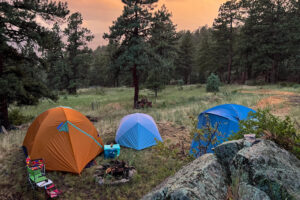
[{"x": 64, "y": 138}]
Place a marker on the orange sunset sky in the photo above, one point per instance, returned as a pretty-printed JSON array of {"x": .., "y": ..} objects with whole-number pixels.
[{"x": 187, "y": 14}]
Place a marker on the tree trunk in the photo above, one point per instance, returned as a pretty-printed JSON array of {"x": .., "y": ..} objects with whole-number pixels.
[
  {"x": 3, "y": 101},
  {"x": 72, "y": 90},
  {"x": 244, "y": 77},
  {"x": 136, "y": 86},
  {"x": 274, "y": 71},
  {"x": 134, "y": 70},
  {"x": 249, "y": 71},
  {"x": 229, "y": 68},
  {"x": 230, "y": 51}
]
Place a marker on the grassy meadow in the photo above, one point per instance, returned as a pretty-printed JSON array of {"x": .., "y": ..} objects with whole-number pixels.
[{"x": 173, "y": 107}]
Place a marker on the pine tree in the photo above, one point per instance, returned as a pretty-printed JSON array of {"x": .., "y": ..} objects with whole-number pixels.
[
  {"x": 205, "y": 54},
  {"x": 186, "y": 59},
  {"x": 163, "y": 43},
  {"x": 224, "y": 32},
  {"x": 268, "y": 36},
  {"x": 77, "y": 51},
  {"x": 131, "y": 31},
  {"x": 100, "y": 73},
  {"x": 57, "y": 72},
  {"x": 19, "y": 30}
]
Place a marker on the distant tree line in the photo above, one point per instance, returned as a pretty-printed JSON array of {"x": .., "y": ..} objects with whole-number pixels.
[
  {"x": 250, "y": 40},
  {"x": 255, "y": 41}
]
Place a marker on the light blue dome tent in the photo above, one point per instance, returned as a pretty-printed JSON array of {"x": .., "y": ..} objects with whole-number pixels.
[
  {"x": 137, "y": 131},
  {"x": 223, "y": 117}
]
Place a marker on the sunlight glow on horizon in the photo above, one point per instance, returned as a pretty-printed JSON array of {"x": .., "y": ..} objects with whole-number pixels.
[{"x": 98, "y": 15}]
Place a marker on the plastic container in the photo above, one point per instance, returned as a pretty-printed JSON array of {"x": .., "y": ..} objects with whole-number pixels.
[{"x": 111, "y": 151}]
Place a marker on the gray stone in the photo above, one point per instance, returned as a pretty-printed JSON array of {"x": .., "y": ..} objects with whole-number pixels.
[
  {"x": 226, "y": 151},
  {"x": 249, "y": 140},
  {"x": 260, "y": 171},
  {"x": 248, "y": 192},
  {"x": 204, "y": 178},
  {"x": 268, "y": 168}
]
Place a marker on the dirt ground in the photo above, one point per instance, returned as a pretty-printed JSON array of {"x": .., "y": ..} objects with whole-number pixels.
[
  {"x": 176, "y": 135},
  {"x": 269, "y": 92},
  {"x": 280, "y": 102},
  {"x": 114, "y": 106}
]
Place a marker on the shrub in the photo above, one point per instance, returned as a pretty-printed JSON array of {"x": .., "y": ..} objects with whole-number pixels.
[
  {"x": 100, "y": 91},
  {"x": 180, "y": 84},
  {"x": 167, "y": 151},
  {"x": 208, "y": 135},
  {"x": 16, "y": 118},
  {"x": 264, "y": 124},
  {"x": 213, "y": 83}
]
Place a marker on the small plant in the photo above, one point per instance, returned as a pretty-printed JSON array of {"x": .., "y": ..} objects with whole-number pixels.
[
  {"x": 16, "y": 118},
  {"x": 264, "y": 124},
  {"x": 95, "y": 105},
  {"x": 100, "y": 91},
  {"x": 171, "y": 151},
  {"x": 180, "y": 84},
  {"x": 213, "y": 83},
  {"x": 205, "y": 137}
]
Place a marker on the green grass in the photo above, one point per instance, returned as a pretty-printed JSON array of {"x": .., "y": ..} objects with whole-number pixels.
[{"x": 173, "y": 105}]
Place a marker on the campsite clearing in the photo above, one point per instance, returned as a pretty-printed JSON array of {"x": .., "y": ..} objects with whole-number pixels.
[
  {"x": 280, "y": 102},
  {"x": 171, "y": 111}
]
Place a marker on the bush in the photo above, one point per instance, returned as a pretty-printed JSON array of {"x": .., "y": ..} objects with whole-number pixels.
[
  {"x": 264, "y": 124},
  {"x": 167, "y": 151},
  {"x": 213, "y": 83},
  {"x": 206, "y": 137},
  {"x": 16, "y": 118},
  {"x": 100, "y": 91},
  {"x": 180, "y": 82}
]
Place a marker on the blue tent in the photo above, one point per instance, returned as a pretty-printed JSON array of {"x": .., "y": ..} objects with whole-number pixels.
[
  {"x": 137, "y": 131},
  {"x": 226, "y": 117}
]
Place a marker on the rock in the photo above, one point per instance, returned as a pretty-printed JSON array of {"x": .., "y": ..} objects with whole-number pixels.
[
  {"x": 260, "y": 171},
  {"x": 268, "y": 168},
  {"x": 249, "y": 140},
  {"x": 248, "y": 192},
  {"x": 131, "y": 173},
  {"x": 204, "y": 178},
  {"x": 226, "y": 151}
]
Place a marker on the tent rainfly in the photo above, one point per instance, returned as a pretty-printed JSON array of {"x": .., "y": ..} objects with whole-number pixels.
[
  {"x": 64, "y": 138},
  {"x": 223, "y": 117},
  {"x": 137, "y": 131}
]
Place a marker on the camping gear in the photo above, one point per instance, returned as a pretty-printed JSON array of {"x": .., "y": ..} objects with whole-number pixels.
[
  {"x": 36, "y": 178},
  {"x": 36, "y": 173},
  {"x": 137, "y": 131},
  {"x": 225, "y": 118},
  {"x": 111, "y": 151},
  {"x": 36, "y": 164},
  {"x": 64, "y": 138},
  {"x": 51, "y": 191},
  {"x": 114, "y": 172}
]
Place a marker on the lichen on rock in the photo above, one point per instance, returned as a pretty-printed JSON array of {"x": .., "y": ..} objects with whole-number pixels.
[
  {"x": 204, "y": 178},
  {"x": 260, "y": 171}
]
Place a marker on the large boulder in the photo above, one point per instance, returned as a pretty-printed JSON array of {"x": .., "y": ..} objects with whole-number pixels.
[
  {"x": 251, "y": 171},
  {"x": 268, "y": 168},
  {"x": 248, "y": 192},
  {"x": 227, "y": 150},
  {"x": 204, "y": 178}
]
